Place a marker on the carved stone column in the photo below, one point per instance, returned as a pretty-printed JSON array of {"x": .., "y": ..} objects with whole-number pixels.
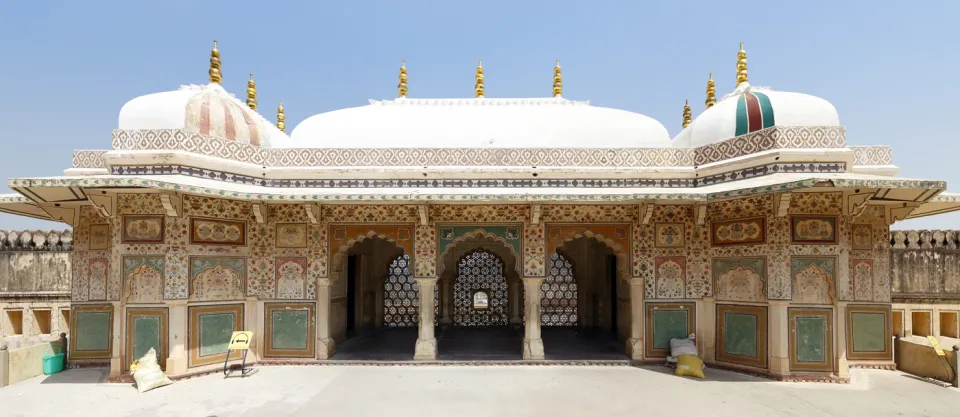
[
  {"x": 515, "y": 302},
  {"x": 532, "y": 343},
  {"x": 840, "y": 340},
  {"x": 635, "y": 342},
  {"x": 325, "y": 343},
  {"x": 779, "y": 337},
  {"x": 426, "y": 348}
]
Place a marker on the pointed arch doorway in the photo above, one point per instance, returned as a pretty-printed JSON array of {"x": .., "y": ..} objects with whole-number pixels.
[{"x": 480, "y": 300}]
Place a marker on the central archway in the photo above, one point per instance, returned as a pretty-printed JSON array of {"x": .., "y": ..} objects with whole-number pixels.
[{"x": 480, "y": 299}]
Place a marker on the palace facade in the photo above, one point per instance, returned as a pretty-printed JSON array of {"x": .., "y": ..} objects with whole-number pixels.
[{"x": 559, "y": 227}]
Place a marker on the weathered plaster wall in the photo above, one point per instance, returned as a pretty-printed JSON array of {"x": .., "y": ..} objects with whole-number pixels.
[
  {"x": 35, "y": 276},
  {"x": 925, "y": 265}
]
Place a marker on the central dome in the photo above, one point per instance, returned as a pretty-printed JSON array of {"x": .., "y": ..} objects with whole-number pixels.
[{"x": 478, "y": 123}]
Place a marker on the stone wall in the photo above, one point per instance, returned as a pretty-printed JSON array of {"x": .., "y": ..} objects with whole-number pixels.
[
  {"x": 925, "y": 265},
  {"x": 35, "y": 275}
]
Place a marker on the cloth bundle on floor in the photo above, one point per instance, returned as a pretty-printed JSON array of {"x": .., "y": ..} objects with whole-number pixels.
[
  {"x": 683, "y": 346},
  {"x": 148, "y": 373},
  {"x": 689, "y": 365}
]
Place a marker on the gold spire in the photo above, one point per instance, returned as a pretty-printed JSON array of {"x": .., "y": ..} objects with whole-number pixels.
[
  {"x": 686, "y": 113},
  {"x": 478, "y": 87},
  {"x": 711, "y": 92},
  {"x": 215, "y": 76},
  {"x": 741, "y": 65},
  {"x": 252, "y": 94},
  {"x": 280, "y": 118},
  {"x": 557, "y": 80},
  {"x": 402, "y": 87}
]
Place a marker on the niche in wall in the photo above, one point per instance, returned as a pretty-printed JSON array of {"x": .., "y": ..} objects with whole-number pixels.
[
  {"x": 948, "y": 324},
  {"x": 921, "y": 323},
  {"x": 16, "y": 321},
  {"x": 42, "y": 318},
  {"x": 898, "y": 322}
]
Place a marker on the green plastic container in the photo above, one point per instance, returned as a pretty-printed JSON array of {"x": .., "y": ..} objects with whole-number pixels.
[{"x": 52, "y": 364}]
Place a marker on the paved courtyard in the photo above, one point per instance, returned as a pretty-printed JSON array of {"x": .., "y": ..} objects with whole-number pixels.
[{"x": 345, "y": 391}]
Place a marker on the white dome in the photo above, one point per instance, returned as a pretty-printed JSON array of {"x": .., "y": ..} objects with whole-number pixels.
[
  {"x": 204, "y": 109},
  {"x": 750, "y": 108},
  {"x": 479, "y": 123}
]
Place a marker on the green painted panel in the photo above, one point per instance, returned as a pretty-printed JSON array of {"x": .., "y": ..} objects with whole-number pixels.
[
  {"x": 289, "y": 329},
  {"x": 868, "y": 332},
  {"x": 93, "y": 330},
  {"x": 146, "y": 335},
  {"x": 450, "y": 233},
  {"x": 215, "y": 332},
  {"x": 811, "y": 339},
  {"x": 669, "y": 324},
  {"x": 740, "y": 334}
]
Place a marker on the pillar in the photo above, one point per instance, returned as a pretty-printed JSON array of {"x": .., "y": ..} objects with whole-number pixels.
[
  {"x": 707, "y": 329},
  {"x": 532, "y": 343},
  {"x": 840, "y": 340},
  {"x": 117, "y": 357},
  {"x": 426, "y": 349},
  {"x": 779, "y": 338},
  {"x": 635, "y": 342},
  {"x": 177, "y": 341},
  {"x": 515, "y": 302},
  {"x": 446, "y": 296},
  {"x": 253, "y": 320},
  {"x": 325, "y": 344}
]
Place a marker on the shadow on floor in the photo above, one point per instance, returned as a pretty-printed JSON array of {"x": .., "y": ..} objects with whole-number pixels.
[
  {"x": 466, "y": 344},
  {"x": 78, "y": 376}
]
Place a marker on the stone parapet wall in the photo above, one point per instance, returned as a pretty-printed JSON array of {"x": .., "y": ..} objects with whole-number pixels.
[
  {"x": 39, "y": 240},
  {"x": 36, "y": 269},
  {"x": 925, "y": 265}
]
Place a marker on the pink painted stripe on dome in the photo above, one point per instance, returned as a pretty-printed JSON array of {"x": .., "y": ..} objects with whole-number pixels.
[{"x": 229, "y": 122}]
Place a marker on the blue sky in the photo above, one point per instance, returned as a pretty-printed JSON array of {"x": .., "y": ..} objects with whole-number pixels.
[{"x": 893, "y": 72}]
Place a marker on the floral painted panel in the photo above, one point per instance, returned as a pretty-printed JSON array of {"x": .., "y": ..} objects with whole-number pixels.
[
  {"x": 862, "y": 236},
  {"x": 740, "y": 279},
  {"x": 862, "y": 276},
  {"x": 291, "y": 235},
  {"x": 99, "y": 270},
  {"x": 814, "y": 279},
  {"x": 142, "y": 229},
  {"x": 739, "y": 232},
  {"x": 214, "y": 278},
  {"x": 669, "y": 235},
  {"x": 218, "y": 232},
  {"x": 143, "y": 279},
  {"x": 99, "y": 236},
  {"x": 671, "y": 277},
  {"x": 813, "y": 229},
  {"x": 291, "y": 275}
]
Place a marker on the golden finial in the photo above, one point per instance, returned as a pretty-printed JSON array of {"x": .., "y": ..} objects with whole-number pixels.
[
  {"x": 686, "y": 113},
  {"x": 741, "y": 65},
  {"x": 478, "y": 87},
  {"x": 215, "y": 75},
  {"x": 711, "y": 92},
  {"x": 280, "y": 118},
  {"x": 557, "y": 80},
  {"x": 252, "y": 94},
  {"x": 402, "y": 87}
]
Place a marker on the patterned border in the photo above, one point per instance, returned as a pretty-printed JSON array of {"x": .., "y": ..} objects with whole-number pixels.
[
  {"x": 752, "y": 172},
  {"x": 163, "y": 314},
  {"x": 268, "y": 309},
  {"x": 89, "y": 159},
  {"x": 777, "y": 137},
  {"x": 649, "y": 307},
  {"x": 762, "y": 337},
  {"x": 88, "y": 354},
  {"x": 193, "y": 332},
  {"x": 827, "y": 314},
  {"x": 887, "y": 329},
  {"x": 872, "y": 155}
]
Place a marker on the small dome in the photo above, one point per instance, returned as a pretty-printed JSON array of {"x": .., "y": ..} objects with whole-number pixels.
[
  {"x": 479, "y": 123},
  {"x": 749, "y": 109},
  {"x": 206, "y": 109}
]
